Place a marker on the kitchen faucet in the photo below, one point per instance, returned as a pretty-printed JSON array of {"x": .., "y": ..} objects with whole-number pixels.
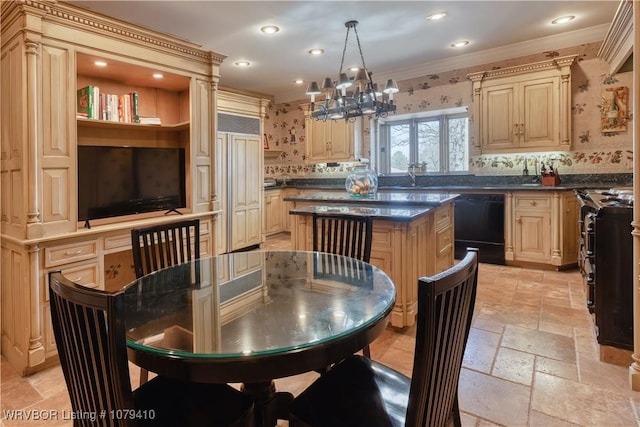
[{"x": 412, "y": 175}]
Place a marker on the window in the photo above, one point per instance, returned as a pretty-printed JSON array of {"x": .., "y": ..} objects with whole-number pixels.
[{"x": 440, "y": 142}]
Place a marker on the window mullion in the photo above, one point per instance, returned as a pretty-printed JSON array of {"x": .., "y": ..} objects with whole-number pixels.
[{"x": 444, "y": 144}]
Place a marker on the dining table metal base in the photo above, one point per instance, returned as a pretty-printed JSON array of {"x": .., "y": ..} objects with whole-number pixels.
[{"x": 270, "y": 405}]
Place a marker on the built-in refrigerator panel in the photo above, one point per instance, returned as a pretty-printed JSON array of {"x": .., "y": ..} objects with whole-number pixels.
[{"x": 238, "y": 182}]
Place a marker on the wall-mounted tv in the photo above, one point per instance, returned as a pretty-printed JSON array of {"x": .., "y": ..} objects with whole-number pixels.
[{"x": 115, "y": 181}]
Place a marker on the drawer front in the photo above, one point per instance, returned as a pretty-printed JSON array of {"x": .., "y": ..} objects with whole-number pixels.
[
  {"x": 86, "y": 275},
  {"x": 444, "y": 241},
  {"x": 442, "y": 263},
  {"x": 66, "y": 254},
  {"x": 118, "y": 241},
  {"x": 444, "y": 217},
  {"x": 532, "y": 202}
]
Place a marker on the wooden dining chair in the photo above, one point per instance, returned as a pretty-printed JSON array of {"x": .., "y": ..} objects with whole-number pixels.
[
  {"x": 89, "y": 331},
  {"x": 164, "y": 245},
  {"x": 343, "y": 235},
  {"x": 359, "y": 392},
  {"x": 161, "y": 246}
]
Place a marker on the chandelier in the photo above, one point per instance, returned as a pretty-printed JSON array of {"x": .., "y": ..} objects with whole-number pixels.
[{"x": 364, "y": 99}]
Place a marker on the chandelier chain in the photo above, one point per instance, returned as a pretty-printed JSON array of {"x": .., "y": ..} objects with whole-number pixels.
[
  {"x": 344, "y": 51},
  {"x": 364, "y": 66}
]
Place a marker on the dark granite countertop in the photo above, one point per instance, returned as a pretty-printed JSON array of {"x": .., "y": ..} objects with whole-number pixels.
[
  {"x": 380, "y": 198},
  {"x": 464, "y": 183},
  {"x": 404, "y": 214}
]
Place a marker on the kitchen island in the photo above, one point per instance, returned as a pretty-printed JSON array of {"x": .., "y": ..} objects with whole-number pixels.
[{"x": 412, "y": 236}]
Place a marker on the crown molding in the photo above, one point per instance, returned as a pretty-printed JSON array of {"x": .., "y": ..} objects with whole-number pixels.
[{"x": 617, "y": 45}]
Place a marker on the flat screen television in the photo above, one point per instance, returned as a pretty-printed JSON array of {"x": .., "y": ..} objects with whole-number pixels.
[{"x": 115, "y": 181}]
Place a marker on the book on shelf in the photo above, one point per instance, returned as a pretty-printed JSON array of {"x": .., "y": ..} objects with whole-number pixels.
[
  {"x": 94, "y": 104},
  {"x": 85, "y": 102},
  {"x": 135, "y": 116},
  {"x": 150, "y": 120}
]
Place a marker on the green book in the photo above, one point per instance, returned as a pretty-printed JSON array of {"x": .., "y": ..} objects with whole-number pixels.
[
  {"x": 85, "y": 102},
  {"x": 134, "y": 106}
]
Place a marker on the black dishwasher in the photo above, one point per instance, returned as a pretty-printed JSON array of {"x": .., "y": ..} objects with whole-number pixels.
[{"x": 479, "y": 223}]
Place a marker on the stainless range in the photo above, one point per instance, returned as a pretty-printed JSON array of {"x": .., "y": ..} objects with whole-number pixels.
[{"x": 606, "y": 262}]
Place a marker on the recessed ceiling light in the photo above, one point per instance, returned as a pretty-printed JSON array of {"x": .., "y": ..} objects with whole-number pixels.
[
  {"x": 316, "y": 51},
  {"x": 243, "y": 64},
  {"x": 157, "y": 75},
  {"x": 298, "y": 82},
  {"x": 461, "y": 43},
  {"x": 100, "y": 63},
  {"x": 563, "y": 19},
  {"x": 270, "y": 29},
  {"x": 437, "y": 16},
  {"x": 354, "y": 69}
]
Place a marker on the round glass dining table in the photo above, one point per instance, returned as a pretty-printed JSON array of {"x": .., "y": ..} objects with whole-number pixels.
[{"x": 251, "y": 317}]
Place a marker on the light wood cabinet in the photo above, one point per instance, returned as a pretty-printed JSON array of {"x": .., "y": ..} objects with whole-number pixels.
[
  {"x": 48, "y": 52},
  {"x": 521, "y": 115},
  {"x": 274, "y": 214},
  {"x": 532, "y": 227},
  {"x": 239, "y": 172},
  {"x": 541, "y": 228},
  {"x": 523, "y": 108},
  {"x": 329, "y": 141},
  {"x": 245, "y": 209}
]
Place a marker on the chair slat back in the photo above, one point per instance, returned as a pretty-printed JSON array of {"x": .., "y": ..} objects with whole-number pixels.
[
  {"x": 445, "y": 311},
  {"x": 165, "y": 245},
  {"x": 91, "y": 343},
  {"x": 342, "y": 235}
]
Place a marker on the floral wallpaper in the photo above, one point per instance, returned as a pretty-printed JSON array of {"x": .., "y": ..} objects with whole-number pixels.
[{"x": 592, "y": 150}]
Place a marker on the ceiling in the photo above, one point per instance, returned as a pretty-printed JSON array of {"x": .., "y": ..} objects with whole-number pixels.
[{"x": 396, "y": 38}]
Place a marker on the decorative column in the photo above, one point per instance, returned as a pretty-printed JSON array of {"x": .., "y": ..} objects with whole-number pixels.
[
  {"x": 508, "y": 235},
  {"x": 634, "y": 369},
  {"x": 32, "y": 105},
  {"x": 36, "y": 348},
  {"x": 565, "y": 110},
  {"x": 556, "y": 221},
  {"x": 214, "y": 203}
]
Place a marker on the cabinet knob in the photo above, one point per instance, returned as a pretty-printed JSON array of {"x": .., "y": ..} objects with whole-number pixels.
[
  {"x": 519, "y": 220},
  {"x": 533, "y": 203}
]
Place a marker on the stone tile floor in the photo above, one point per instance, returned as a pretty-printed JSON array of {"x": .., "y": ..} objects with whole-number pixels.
[{"x": 531, "y": 360}]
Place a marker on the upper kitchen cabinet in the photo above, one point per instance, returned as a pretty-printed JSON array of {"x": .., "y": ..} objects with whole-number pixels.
[
  {"x": 523, "y": 108},
  {"x": 332, "y": 140},
  {"x": 617, "y": 46}
]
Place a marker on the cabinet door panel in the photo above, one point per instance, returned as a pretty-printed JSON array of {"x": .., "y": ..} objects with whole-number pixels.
[
  {"x": 341, "y": 143},
  {"x": 540, "y": 114},
  {"x": 316, "y": 140},
  {"x": 533, "y": 236},
  {"x": 246, "y": 198},
  {"x": 499, "y": 120}
]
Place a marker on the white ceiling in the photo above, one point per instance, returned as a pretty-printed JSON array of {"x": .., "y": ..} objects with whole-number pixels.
[{"x": 397, "y": 40}]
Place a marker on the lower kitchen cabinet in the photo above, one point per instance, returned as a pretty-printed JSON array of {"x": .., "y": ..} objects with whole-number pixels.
[
  {"x": 274, "y": 214},
  {"x": 541, "y": 228}
]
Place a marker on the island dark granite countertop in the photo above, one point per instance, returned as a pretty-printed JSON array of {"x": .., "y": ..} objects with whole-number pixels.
[
  {"x": 404, "y": 214},
  {"x": 380, "y": 198}
]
